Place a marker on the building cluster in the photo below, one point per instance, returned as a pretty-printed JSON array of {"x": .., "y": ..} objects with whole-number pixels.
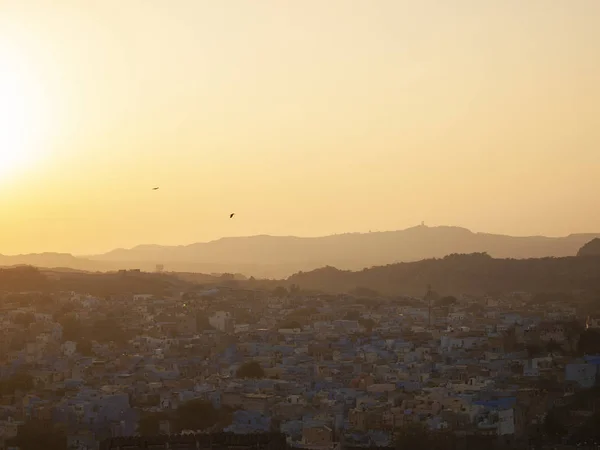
[{"x": 328, "y": 370}]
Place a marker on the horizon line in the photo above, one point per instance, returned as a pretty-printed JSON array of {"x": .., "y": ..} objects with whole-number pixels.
[{"x": 422, "y": 225}]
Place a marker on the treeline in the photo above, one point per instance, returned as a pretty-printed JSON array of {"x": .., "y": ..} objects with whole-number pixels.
[
  {"x": 27, "y": 279},
  {"x": 23, "y": 278},
  {"x": 476, "y": 274}
]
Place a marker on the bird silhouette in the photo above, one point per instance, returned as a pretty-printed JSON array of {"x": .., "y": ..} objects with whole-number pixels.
[
  {"x": 155, "y": 189},
  {"x": 231, "y": 215}
]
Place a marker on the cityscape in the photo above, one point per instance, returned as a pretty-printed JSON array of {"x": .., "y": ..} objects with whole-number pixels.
[
  {"x": 321, "y": 370},
  {"x": 299, "y": 225}
]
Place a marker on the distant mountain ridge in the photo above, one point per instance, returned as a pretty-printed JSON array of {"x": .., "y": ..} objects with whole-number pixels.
[
  {"x": 281, "y": 256},
  {"x": 53, "y": 260}
]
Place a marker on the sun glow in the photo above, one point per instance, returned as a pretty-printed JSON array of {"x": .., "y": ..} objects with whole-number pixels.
[{"x": 23, "y": 114}]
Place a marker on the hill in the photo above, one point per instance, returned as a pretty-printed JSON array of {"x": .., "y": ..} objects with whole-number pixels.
[
  {"x": 27, "y": 279},
  {"x": 64, "y": 260},
  {"x": 281, "y": 256},
  {"x": 592, "y": 248},
  {"x": 476, "y": 274}
]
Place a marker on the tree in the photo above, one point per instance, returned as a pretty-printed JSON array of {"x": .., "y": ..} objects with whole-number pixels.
[
  {"x": 352, "y": 315},
  {"x": 280, "y": 292},
  {"x": 509, "y": 339},
  {"x": 368, "y": 324},
  {"x": 84, "y": 347},
  {"x": 71, "y": 328},
  {"x": 361, "y": 291},
  {"x": 446, "y": 301},
  {"x": 24, "y": 319},
  {"x": 244, "y": 316},
  {"x": 573, "y": 331},
  {"x": 149, "y": 423},
  {"x": 198, "y": 415},
  {"x": 553, "y": 425},
  {"x": 590, "y": 430},
  {"x": 552, "y": 346},
  {"x": 589, "y": 342},
  {"x": 21, "y": 381},
  {"x": 476, "y": 308},
  {"x": 534, "y": 350},
  {"x": 302, "y": 313},
  {"x": 108, "y": 329},
  {"x": 289, "y": 324},
  {"x": 417, "y": 436},
  {"x": 250, "y": 369},
  {"x": 202, "y": 322},
  {"x": 33, "y": 433}
]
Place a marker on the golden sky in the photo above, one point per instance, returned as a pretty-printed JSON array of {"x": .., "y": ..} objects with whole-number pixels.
[{"x": 304, "y": 117}]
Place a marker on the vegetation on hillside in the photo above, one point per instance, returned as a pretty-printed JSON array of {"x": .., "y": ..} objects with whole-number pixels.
[{"x": 476, "y": 273}]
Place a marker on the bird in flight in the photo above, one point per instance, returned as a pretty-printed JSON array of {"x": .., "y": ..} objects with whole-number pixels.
[
  {"x": 231, "y": 215},
  {"x": 155, "y": 189}
]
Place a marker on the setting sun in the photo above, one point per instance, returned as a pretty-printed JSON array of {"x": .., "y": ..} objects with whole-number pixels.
[{"x": 23, "y": 116}]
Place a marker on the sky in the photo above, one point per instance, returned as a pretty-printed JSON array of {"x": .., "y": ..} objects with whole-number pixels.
[{"x": 304, "y": 117}]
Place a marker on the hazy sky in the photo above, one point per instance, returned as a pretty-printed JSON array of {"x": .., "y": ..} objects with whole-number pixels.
[{"x": 305, "y": 117}]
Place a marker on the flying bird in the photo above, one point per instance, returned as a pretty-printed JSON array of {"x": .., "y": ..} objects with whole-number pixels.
[
  {"x": 155, "y": 189},
  {"x": 231, "y": 215}
]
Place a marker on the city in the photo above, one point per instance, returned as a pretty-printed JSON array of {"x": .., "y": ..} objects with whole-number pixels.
[
  {"x": 326, "y": 370},
  {"x": 299, "y": 225}
]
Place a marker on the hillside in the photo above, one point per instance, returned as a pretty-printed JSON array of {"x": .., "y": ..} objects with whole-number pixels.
[
  {"x": 27, "y": 278},
  {"x": 53, "y": 260},
  {"x": 592, "y": 248},
  {"x": 281, "y": 256},
  {"x": 476, "y": 274}
]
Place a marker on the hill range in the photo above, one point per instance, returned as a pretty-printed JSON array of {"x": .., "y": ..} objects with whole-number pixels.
[{"x": 281, "y": 256}]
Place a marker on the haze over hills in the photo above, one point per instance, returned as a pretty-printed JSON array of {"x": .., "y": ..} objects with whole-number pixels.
[
  {"x": 54, "y": 260},
  {"x": 281, "y": 256},
  {"x": 476, "y": 274}
]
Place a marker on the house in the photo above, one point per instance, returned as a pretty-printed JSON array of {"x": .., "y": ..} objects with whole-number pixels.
[
  {"x": 582, "y": 373},
  {"x": 256, "y": 402},
  {"x": 69, "y": 348},
  {"x": 592, "y": 322},
  {"x": 82, "y": 440},
  {"x": 246, "y": 422},
  {"x": 552, "y": 332},
  {"x": 317, "y": 436},
  {"x": 186, "y": 325},
  {"x": 222, "y": 321}
]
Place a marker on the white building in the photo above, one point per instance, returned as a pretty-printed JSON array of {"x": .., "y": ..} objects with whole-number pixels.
[{"x": 221, "y": 320}]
